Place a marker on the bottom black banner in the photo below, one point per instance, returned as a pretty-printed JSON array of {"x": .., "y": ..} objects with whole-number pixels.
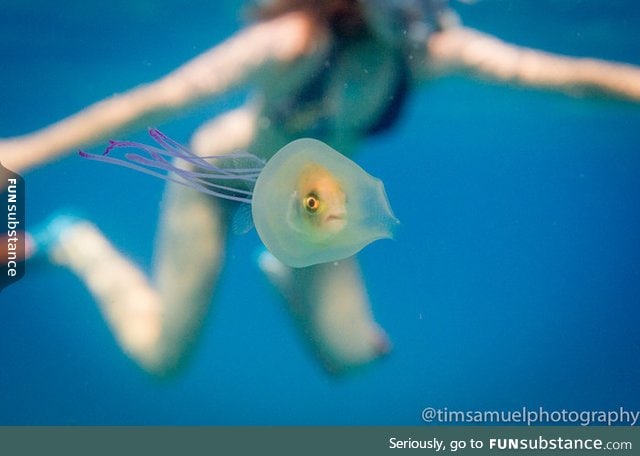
[{"x": 318, "y": 440}]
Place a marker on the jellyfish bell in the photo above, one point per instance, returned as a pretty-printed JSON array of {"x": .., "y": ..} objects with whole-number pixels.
[
  {"x": 313, "y": 205},
  {"x": 309, "y": 203}
]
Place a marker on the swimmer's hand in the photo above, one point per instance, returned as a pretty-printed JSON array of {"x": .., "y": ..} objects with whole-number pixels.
[{"x": 468, "y": 51}]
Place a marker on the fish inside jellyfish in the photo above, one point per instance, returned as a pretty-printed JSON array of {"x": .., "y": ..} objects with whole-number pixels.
[{"x": 309, "y": 203}]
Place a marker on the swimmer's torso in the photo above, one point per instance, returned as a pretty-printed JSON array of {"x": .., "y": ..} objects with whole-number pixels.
[
  {"x": 355, "y": 81},
  {"x": 338, "y": 94}
]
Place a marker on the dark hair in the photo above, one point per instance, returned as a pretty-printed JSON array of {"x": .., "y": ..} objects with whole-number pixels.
[{"x": 344, "y": 17}]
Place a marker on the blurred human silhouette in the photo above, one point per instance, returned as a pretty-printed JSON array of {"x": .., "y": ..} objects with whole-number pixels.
[{"x": 335, "y": 70}]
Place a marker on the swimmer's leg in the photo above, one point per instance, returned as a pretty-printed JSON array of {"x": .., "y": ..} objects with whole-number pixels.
[
  {"x": 233, "y": 131},
  {"x": 328, "y": 301},
  {"x": 191, "y": 242},
  {"x": 330, "y": 304},
  {"x": 155, "y": 324},
  {"x": 188, "y": 259}
]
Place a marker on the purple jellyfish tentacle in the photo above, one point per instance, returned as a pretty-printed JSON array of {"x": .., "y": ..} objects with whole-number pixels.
[
  {"x": 184, "y": 181},
  {"x": 196, "y": 178},
  {"x": 201, "y": 179},
  {"x": 177, "y": 150},
  {"x": 192, "y": 159}
]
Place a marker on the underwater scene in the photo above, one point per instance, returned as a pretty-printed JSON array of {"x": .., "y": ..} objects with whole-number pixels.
[{"x": 512, "y": 280}]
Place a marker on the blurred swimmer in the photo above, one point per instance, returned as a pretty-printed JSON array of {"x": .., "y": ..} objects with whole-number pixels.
[{"x": 335, "y": 70}]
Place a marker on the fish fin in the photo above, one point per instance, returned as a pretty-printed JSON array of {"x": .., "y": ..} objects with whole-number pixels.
[{"x": 242, "y": 221}]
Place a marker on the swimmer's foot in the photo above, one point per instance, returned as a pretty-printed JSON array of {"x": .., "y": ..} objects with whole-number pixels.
[
  {"x": 70, "y": 241},
  {"x": 277, "y": 272},
  {"x": 49, "y": 234}
]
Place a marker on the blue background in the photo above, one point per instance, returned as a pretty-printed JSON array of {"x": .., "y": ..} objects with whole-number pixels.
[{"x": 514, "y": 280}]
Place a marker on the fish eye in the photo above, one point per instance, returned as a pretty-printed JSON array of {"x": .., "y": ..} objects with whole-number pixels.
[{"x": 311, "y": 203}]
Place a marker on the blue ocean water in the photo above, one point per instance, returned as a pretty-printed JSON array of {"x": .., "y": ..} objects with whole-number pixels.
[{"x": 514, "y": 280}]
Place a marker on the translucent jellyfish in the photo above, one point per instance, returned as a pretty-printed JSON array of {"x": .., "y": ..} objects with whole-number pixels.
[{"x": 309, "y": 203}]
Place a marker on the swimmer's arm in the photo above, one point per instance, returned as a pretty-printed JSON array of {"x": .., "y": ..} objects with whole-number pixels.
[
  {"x": 230, "y": 64},
  {"x": 467, "y": 51}
]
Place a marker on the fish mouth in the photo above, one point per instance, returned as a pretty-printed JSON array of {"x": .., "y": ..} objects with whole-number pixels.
[{"x": 334, "y": 217}]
